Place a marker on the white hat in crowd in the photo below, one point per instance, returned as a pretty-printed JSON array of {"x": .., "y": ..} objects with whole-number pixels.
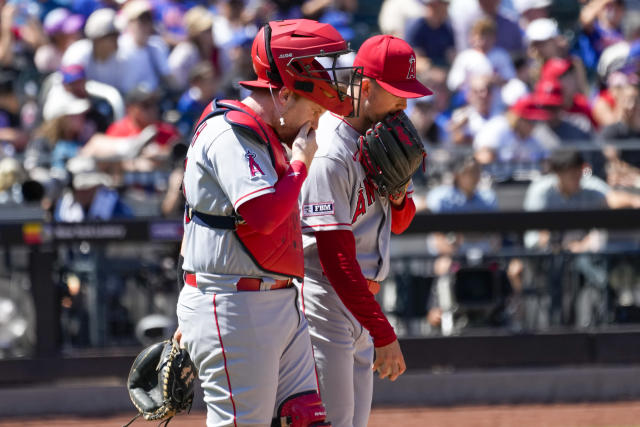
[
  {"x": 64, "y": 104},
  {"x": 101, "y": 23},
  {"x": 522, "y": 6},
  {"x": 541, "y": 29},
  {"x": 86, "y": 174},
  {"x": 512, "y": 91}
]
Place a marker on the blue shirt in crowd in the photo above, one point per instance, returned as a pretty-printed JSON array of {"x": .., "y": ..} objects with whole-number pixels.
[
  {"x": 449, "y": 199},
  {"x": 433, "y": 42}
]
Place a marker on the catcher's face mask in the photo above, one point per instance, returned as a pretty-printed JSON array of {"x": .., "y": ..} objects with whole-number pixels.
[{"x": 291, "y": 53}]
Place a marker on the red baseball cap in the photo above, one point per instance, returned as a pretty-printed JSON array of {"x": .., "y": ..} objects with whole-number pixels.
[
  {"x": 528, "y": 108},
  {"x": 392, "y": 62},
  {"x": 549, "y": 93},
  {"x": 554, "y": 68}
]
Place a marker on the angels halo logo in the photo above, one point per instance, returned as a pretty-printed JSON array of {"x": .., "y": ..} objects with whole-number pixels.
[{"x": 411, "y": 74}]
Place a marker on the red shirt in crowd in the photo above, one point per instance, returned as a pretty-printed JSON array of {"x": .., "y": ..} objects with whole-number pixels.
[{"x": 167, "y": 134}]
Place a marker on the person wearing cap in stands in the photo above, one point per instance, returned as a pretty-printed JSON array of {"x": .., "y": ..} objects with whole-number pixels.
[
  {"x": 106, "y": 103},
  {"x": 62, "y": 29},
  {"x": 97, "y": 54},
  {"x": 346, "y": 228},
  {"x": 145, "y": 53},
  {"x": 508, "y": 138},
  {"x": 573, "y": 83},
  {"x": 61, "y": 135},
  {"x": 530, "y": 10},
  {"x": 198, "y": 47}
]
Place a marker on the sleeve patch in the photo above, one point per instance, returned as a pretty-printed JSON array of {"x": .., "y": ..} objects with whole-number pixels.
[
  {"x": 254, "y": 167},
  {"x": 318, "y": 209}
]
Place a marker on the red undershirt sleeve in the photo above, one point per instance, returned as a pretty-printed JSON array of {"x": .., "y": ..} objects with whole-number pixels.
[
  {"x": 401, "y": 216},
  {"x": 265, "y": 213},
  {"x": 337, "y": 251}
]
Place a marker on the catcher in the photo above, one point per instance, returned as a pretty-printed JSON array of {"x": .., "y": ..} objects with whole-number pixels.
[
  {"x": 161, "y": 382},
  {"x": 359, "y": 191}
]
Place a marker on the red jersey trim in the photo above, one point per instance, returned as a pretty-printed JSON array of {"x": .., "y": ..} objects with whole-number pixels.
[
  {"x": 224, "y": 357},
  {"x": 344, "y": 121}
]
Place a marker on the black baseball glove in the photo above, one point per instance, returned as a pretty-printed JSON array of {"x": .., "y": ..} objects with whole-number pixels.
[
  {"x": 390, "y": 152},
  {"x": 161, "y": 381}
]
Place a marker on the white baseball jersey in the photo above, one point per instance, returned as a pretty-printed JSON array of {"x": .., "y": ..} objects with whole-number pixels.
[
  {"x": 335, "y": 196},
  {"x": 225, "y": 168},
  {"x": 252, "y": 349}
]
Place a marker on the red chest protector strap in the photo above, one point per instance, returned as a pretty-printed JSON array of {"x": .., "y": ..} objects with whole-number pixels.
[{"x": 278, "y": 252}]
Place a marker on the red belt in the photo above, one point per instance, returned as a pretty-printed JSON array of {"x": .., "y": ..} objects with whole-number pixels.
[{"x": 244, "y": 284}]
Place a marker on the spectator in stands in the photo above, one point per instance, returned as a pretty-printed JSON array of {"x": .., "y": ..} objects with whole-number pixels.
[
  {"x": 395, "y": 14},
  {"x": 89, "y": 197},
  {"x": 508, "y": 137},
  {"x": 530, "y": 10},
  {"x": 468, "y": 120},
  {"x": 423, "y": 114},
  {"x": 543, "y": 43},
  {"x": 13, "y": 136},
  {"x": 62, "y": 29},
  {"x": 203, "y": 87},
  {"x": 144, "y": 53},
  {"x": 106, "y": 102},
  {"x": 518, "y": 86},
  {"x": 601, "y": 27},
  {"x": 568, "y": 188},
  {"x": 550, "y": 95},
  {"x": 575, "y": 103},
  {"x": 98, "y": 52},
  {"x": 169, "y": 19},
  {"x": 21, "y": 33},
  {"x": 624, "y": 163},
  {"x": 463, "y": 194},
  {"x": 431, "y": 35},
  {"x": 464, "y": 13},
  {"x": 143, "y": 113},
  {"x": 198, "y": 47},
  {"x": 61, "y": 135},
  {"x": 543, "y": 40},
  {"x": 482, "y": 58}
]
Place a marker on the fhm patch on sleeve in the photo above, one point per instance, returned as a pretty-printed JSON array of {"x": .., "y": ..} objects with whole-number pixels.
[
  {"x": 254, "y": 167},
  {"x": 318, "y": 209}
]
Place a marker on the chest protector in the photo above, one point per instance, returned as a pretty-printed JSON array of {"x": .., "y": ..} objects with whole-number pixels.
[{"x": 280, "y": 251}]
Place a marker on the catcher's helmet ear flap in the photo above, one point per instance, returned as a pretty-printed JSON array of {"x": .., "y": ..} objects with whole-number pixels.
[{"x": 284, "y": 53}]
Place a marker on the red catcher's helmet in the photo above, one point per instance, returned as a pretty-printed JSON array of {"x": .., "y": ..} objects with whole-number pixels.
[{"x": 285, "y": 53}]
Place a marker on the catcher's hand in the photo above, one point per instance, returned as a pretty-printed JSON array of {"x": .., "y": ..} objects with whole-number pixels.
[
  {"x": 161, "y": 381},
  {"x": 390, "y": 152}
]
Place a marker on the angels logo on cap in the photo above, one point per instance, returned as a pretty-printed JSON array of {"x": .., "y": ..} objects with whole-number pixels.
[
  {"x": 412, "y": 68},
  {"x": 381, "y": 57}
]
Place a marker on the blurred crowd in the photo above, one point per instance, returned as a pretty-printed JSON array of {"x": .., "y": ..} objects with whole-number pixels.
[
  {"x": 536, "y": 106},
  {"x": 98, "y": 97}
]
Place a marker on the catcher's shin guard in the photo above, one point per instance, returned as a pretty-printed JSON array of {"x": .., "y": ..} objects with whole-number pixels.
[{"x": 302, "y": 410}]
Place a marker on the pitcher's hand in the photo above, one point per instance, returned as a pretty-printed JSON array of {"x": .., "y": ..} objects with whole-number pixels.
[{"x": 389, "y": 361}]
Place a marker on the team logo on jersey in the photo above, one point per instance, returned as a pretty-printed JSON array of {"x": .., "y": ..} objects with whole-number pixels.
[
  {"x": 318, "y": 209},
  {"x": 254, "y": 167},
  {"x": 366, "y": 197},
  {"x": 411, "y": 74}
]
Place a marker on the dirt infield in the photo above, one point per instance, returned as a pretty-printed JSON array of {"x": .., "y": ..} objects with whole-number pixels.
[{"x": 625, "y": 414}]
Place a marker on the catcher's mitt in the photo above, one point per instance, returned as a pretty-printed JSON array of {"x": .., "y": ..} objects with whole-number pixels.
[
  {"x": 161, "y": 381},
  {"x": 390, "y": 152}
]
